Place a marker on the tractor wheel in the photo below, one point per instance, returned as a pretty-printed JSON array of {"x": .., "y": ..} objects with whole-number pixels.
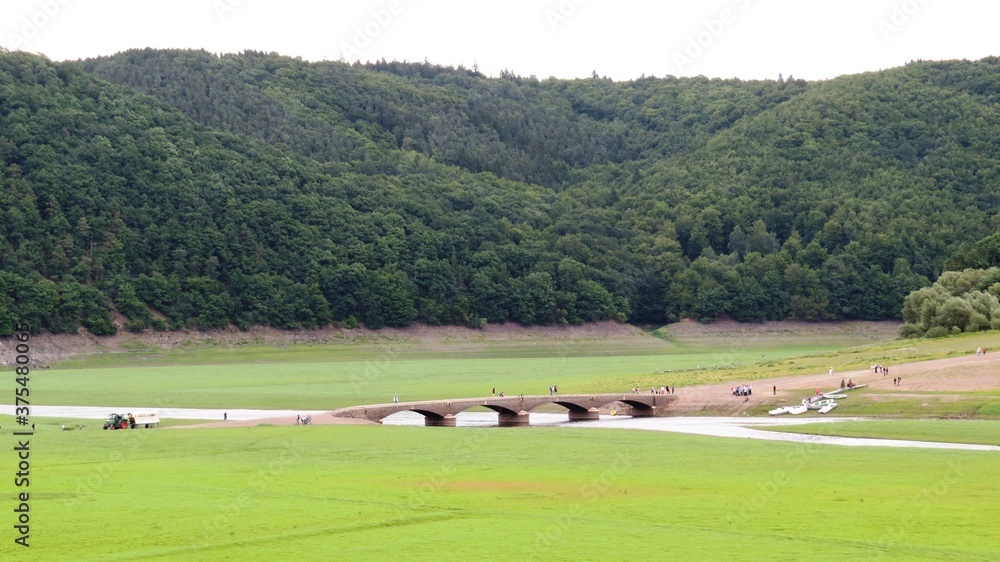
[{"x": 124, "y": 425}]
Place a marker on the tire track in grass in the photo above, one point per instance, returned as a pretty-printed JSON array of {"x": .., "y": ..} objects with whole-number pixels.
[{"x": 204, "y": 549}]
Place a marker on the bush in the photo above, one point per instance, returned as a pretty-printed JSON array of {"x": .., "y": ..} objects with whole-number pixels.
[
  {"x": 100, "y": 325},
  {"x": 955, "y": 303},
  {"x": 909, "y": 331},
  {"x": 937, "y": 332}
]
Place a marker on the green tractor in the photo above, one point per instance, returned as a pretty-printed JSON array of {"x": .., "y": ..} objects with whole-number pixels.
[
  {"x": 132, "y": 421},
  {"x": 117, "y": 421}
]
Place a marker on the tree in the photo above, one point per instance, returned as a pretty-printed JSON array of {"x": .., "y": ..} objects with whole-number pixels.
[
  {"x": 533, "y": 299},
  {"x": 387, "y": 299}
]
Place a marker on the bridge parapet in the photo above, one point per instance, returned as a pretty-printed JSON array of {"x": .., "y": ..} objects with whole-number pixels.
[{"x": 513, "y": 410}]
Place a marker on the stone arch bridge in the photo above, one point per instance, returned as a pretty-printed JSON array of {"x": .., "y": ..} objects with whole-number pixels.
[{"x": 514, "y": 411}]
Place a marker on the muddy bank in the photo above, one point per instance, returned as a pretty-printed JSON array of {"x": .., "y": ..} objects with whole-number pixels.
[{"x": 48, "y": 349}]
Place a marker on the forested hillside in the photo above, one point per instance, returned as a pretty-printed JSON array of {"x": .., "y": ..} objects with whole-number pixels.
[{"x": 182, "y": 189}]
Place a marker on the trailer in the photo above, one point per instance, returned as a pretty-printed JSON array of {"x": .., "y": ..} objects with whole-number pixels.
[{"x": 131, "y": 421}]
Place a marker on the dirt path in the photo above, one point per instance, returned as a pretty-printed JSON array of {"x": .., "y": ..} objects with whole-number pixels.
[{"x": 959, "y": 374}]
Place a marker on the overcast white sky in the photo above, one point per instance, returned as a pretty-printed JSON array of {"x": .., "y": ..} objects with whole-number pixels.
[{"x": 621, "y": 39}]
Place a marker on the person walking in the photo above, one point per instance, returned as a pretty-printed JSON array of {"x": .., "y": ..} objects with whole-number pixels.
[{"x": 774, "y": 390}]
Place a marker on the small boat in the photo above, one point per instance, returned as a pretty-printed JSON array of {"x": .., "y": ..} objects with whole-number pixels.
[
  {"x": 826, "y": 409},
  {"x": 834, "y": 396},
  {"x": 779, "y": 411},
  {"x": 819, "y": 404},
  {"x": 796, "y": 410}
]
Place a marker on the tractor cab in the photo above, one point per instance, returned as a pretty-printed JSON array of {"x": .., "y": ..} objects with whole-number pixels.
[{"x": 116, "y": 421}]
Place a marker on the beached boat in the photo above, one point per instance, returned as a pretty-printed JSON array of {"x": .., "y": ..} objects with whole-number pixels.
[
  {"x": 834, "y": 396},
  {"x": 779, "y": 411},
  {"x": 819, "y": 404},
  {"x": 826, "y": 409},
  {"x": 796, "y": 410}
]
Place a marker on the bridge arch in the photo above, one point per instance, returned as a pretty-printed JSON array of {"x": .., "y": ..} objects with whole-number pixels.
[
  {"x": 512, "y": 410},
  {"x": 499, "y": 409},
  {"x": 642, "y": 409}
]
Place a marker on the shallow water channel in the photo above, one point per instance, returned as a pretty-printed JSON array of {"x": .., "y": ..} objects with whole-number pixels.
[
  {"x": 743, "y": 428},
  {"x": 713, "y": 426}
]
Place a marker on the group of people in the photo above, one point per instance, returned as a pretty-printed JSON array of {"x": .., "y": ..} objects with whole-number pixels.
[
  {"x": 880, "y": 369},
  {"x": 848, "y": 384},
  {"x": 980, "y": 351},
  {"x": 666, "y": 389},
  {"x": 742, "y": 390},
  {"x": 897, "y": 380},
  {"x": 553, "y": 389},
  {"x": 300, "y": 420}
]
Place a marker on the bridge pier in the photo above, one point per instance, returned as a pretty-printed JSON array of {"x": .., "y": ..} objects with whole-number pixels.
[
  {"x": 513, "y": 419},
  {"x": 447, "y": 420},
  {"x": 643, "y": 412},
  {"x": 581, "y": 415}
]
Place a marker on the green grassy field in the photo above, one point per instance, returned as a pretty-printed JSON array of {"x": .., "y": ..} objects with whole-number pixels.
[
  {"x": 334, "y": 384},
  {"x": 372, "y": 370},
  {"x": 924, "y": 404},
  {"x": 958, "y": 405},
  {"x": 370, "y": 492},
  {"x": 374, "y": 492},
  {"x": 72, "y": 424},
  {"x": 984, "y": 432}
]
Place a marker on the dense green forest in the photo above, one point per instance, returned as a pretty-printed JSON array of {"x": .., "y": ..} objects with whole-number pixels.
[{"x": 182, "y": 189}]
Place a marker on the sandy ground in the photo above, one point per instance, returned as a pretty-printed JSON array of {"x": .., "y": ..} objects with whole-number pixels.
[{"x": 959, "y": 374}]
